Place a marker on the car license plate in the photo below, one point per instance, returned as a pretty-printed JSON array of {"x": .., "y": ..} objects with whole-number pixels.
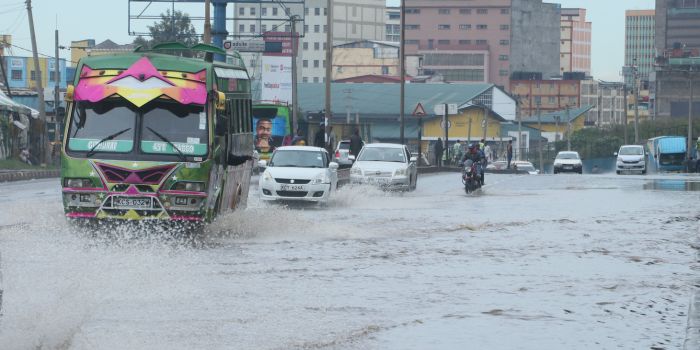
[
  {"x": 127, "y": 202},
  {"x": 378, "y": 180},
  {"x": 292, "y": 187},
  {"x": 568, "y": 167}
]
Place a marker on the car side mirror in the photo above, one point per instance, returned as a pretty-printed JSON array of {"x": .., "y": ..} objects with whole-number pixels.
[
  {"x": 262, "y": 164},
  {"x": 615, "y": 153},
  {"x": 414, "y": 159},
  {"x": 351, "y": 157},
  {"x": 333, "y": 166}
]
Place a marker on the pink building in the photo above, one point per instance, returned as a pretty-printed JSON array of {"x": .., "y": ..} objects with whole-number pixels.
[
  {"x": 483, "y": 40},
  {"x": 575, "y": 41}
]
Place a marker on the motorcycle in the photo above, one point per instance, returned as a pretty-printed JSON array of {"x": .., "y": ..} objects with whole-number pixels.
[{"x": 470, "y": 177}]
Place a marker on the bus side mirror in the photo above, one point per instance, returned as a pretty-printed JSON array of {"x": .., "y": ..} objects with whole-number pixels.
[
  {"x": 220, "y": 129},
  {"x": 220, "y": 101},
  {"x": 70, "y": 91}
]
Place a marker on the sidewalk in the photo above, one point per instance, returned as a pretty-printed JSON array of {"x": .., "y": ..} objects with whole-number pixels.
[{"x": 19, "y": 175}]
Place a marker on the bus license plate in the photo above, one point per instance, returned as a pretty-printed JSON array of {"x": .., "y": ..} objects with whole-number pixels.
[
  {"x": 126, "y": 202},
  {"x": 292, "y": 187}
]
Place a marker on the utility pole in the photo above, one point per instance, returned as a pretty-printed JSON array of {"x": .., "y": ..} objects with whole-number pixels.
[
  {"x": 520, "y": 130},
  {"x": 207, "y": 22},
  {"x": 636, "y": 103},
  {"x": 295, "y": 121},
  {"x": 568, "y": 128},
  {"x": 329, "y": 64},
  {"x": 624, "y": 124},
  {"x": 556, "y": 128},
  {"x": 446, "y": 125},
  {"x": 56, "y": 93},
  {"x": 690, "y": 115},
  {"x": 539, "y": 126},
  {"x": 469, "y": 131},
  {"x": 4, "y": 74},
  {"x": 39, "y": 87},
  {"x": 486, "y": 122},
  {"x": 402, "y": 70}
]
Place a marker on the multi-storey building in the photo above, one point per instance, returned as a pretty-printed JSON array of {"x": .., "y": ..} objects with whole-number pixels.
[
  {"x": 393, "y": 24},
  {"x": 607, "y": 99},
  {"x": 575, "y": 48},
  {"x": 639, "y": 43},
  {"x": 552, "y": 95},
  {"x": 21, "y": 73},
  {"x": 484, "y": 40},
  {"x": 87, "y": 47},
  {"x": 352, "y": 21},
  {"x": 677, "y": 22}
]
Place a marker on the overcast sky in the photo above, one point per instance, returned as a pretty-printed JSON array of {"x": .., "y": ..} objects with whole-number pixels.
[{"x": 108, "y": 19}]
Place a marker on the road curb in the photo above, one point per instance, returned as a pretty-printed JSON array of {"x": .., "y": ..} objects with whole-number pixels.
[{"x": 20, "y": 175}]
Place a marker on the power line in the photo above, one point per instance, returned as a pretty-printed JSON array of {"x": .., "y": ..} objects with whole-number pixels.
[{"x": 39, "y": 53}]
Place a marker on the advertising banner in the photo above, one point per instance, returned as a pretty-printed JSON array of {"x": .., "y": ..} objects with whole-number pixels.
[{"x": 276, "y": 79}]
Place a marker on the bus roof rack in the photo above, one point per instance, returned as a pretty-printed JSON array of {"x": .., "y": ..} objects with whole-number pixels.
[{"x": 180, "y": 46}]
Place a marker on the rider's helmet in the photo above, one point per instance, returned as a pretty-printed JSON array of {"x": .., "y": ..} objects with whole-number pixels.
[{"x": 471, "y": 146}]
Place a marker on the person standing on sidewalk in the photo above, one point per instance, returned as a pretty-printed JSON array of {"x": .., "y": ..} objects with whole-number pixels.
[
  {"x": 509, "y": 152},
  {"x": 438, "y": 152},
  {"x": 355, "y": 143}
]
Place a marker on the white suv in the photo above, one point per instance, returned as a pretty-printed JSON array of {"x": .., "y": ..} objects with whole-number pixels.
[
  {"x": 631, "y": 158},
  {"x": 568, "y": 161}
]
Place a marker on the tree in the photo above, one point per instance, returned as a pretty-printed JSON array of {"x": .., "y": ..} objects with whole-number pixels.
[{"x": 173, "y": 26}]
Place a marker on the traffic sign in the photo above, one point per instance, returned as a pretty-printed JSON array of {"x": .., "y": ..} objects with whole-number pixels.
[
  {"x": 449, "y": 124},
  {"x": 419, "y": 110},
  {"x": 440, "y": 108},
  {"x": 245, "y": 45}
]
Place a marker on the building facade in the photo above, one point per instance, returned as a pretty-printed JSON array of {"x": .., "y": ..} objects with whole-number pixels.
[
  {"x": 352, "y": 21},
  {"x": 640, "y": 31},
  {"x": 483, "y": 40},
  {"x": 393, "y": 24},
  {"x": 677, "y": 22},
  {"x": 552, "y": 95},
  {"x": 607, "y": 99},
  {"x": 575, "y": 44},
  {"x": 674, "y": 86},
  {"x": 21, "y": 73},
  {"x": 87, "y": 47}
]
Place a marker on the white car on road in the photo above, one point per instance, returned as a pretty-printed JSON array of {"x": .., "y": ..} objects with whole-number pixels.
[
  {"x": 631, "y": 158},
  {"x": 568, "y": 161},
  {"x": 388, "y": 165},
  {"x": 298, "y": 173}
]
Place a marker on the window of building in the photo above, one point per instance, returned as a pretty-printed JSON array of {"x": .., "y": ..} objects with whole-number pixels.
[
  {"x": 287, "y": 28},
  {"x": 306, "y": 28},
  {"x": 32, "y": 75},
  {"x": 305, "y": 45},
  {"x": 444, "y": 11},
  {"x": 317, "y": 11},
  {"x": 354, "y": 11},
  {"x": 482, "y": 26},
  {"x": 252, "y": 28},
  {"x": 572, "y": 100},
  {"x": 413, "y": 11},
  {"x": 241, "y": 28},
  {"x": 315, "y": 79},
  {"x": 316, "y": 63},
  {"x": 306, "y": 11},
  {"x": 263, "y": 11},
  {"x": 482, "y": 42},
  {"x": 263, "y": 28},
  {"x": 317, "y": 46},
  {"x": 354, "y": 28},
  {"x": 412, "y": 42},
  {"x": 324, "y": 63},
  {"x": 16, "y": 74},
  {"x": 305, "y": 79},
  {"x": 412, "y": 26},
  {"x": 465, "y": 42},
  {"x": 504, "y": 42},
  {"x": 505, "y": 27},
  {"x": 241, "y": 11},
  {"x": 325, "y": 28},
  {"x": 325, "y": 11},
  {"x": 465, "y": 26},
  {"x": 505, "y": 11},
  {"x": 503, "y": 57},
  {"x": 482, "y": 11},
  {"x": 465, "y": 11},
  {"x": 443, "y": 42},
  {"x": 287, "y": 11},
  {"x": 325, "y": 46},
  {"x": 551, "y": 99},
  {"x": 317, "y": 28},
  {"x": 252, "y": 11},
  {"x": 443, "y": 27},
  {"x": 274, "y": 11},
  {"x": 431, "y": 44},
  {"x": 385, "y": 70},
  {"x": 503, "y": 72},
  {"x": 305, "y": 63}
]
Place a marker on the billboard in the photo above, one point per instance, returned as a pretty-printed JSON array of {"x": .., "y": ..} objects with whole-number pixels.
[{"x": 276, "y": 80}]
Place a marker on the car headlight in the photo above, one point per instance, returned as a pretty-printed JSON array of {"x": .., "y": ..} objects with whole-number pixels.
[
  {"x": 267, "y": 176},
  {"x": 400, "y": 172},
  {"x": 355, "y": 171},
  {"x": 619, "y": 159},
  {"x": 321, "y": 178},
  {"x": 77, "y": 183},
  {"x": 191, "y": 186}
]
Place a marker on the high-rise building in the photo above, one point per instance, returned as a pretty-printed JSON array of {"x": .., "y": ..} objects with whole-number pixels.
[
  {"x": 393, "y": 24},
  {"x": 484, "y": 40},
  {"x": 639, "y": 43},
  {"x": 352, "y": 20},
  {"x": 575, "y": 51},
  {"x": 677, "y": 23}
]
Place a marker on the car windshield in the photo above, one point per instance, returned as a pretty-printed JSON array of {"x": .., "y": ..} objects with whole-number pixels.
[
  {"x": 567, "y": 156},
  {"x": 297, "y": 159},
  {"x": 631, "y": 151},
  {"x": 167, "y": 124},
  {"x": 526, "y": 167},
  {"x": 112, "y": 122},
  {"x": 344, "y": 145},
  {"x": 382, "y": 154}
]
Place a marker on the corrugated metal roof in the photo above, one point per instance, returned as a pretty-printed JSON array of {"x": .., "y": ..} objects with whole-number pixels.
[
  {"x": 562, "y": 115},
  {"x": 384, "y": 99},
  {"x": 672, "y": 145}
]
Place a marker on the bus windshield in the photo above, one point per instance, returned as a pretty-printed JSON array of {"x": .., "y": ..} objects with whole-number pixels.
[
  {"x": 95, "y": 122},
  {"x": 167, "y": 124}
]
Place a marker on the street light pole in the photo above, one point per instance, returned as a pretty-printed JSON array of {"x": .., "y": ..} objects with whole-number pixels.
[
  {"x": 539, "y": 126},
  {"x": 329, "y": 64},
  {"x": 295, "y": 121},
  {"x": 568, "y": 128},
  {"x": 690, "y": 114},
  {"x": 636, "y": 103},
  {"x": 402, "y": 70}
]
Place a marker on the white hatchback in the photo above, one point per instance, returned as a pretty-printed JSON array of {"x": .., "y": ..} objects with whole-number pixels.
[
  {"x": 388, "y": 165},
  {"x": 631, "y": 158},
  {"x": 298, "y": 173},
  {"x": 568, "y": 161}
]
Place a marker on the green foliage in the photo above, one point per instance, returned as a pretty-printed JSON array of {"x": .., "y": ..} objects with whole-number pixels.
[
  {"x": 173, "y": 27},
  {"x": 14, "y": 164}
]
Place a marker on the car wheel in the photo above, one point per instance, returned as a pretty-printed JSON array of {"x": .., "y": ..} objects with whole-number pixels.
[
  {"x": 618, "y": 172},
  {"x": 556, "y": 172},
  {"x": 580, "y": 172},
  {"x": 644, "y": 172}
]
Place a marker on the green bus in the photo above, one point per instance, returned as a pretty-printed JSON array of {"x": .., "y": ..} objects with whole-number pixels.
[{"x": 156, "y": 136}]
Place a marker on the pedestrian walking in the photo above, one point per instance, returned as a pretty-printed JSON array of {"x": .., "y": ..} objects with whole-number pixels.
[
  {"x": 457, "y": 152},
  {"x": 330, "y": 146},
  {"x": 355, "y": 143},
  {"x": 489, "y": 153},
  {"x": 438, "y": 152},
  {"x": 320, "y": 136},
  {"x": 509, "y": 152}
]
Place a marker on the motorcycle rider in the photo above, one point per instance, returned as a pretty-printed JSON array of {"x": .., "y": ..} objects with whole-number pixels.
[{"x": 476, "y": 156}]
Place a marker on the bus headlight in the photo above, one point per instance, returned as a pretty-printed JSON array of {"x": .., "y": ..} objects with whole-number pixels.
[
  {"x": 77, "y": 183},
  {"x": 191, "y": 186}
]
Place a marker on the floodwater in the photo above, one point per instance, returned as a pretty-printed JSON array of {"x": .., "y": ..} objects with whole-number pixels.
[{"x": 529, "y": 262}]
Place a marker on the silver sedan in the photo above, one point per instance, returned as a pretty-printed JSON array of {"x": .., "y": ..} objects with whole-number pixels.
[{"x": 388, "y": 165}]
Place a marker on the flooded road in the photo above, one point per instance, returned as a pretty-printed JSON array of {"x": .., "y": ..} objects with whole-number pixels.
[{"x": 529, "y": 262}]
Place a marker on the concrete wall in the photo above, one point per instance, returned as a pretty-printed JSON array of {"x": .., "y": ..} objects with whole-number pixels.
[{"x": 535, "y": 37}]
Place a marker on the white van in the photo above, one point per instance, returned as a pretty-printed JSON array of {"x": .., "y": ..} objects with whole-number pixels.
[{"x": 631, "y": 158}]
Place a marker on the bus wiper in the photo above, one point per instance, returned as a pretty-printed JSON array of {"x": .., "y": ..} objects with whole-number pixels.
[
  {"x": 93, "y": 150},
  {"x": 183, "y": 158}
]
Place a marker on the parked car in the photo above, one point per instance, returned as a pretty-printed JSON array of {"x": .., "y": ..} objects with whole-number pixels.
[
  {"x": 342, "y": 153},
  {"x": 525, "y": 166},
  {"x": 631, "y": 158},
  {"x": 388, "y": 165},
  {"x": 497, "y": 165},
  {"x": 300, "y": 173},
  {"x": 568, "y": 161}
]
